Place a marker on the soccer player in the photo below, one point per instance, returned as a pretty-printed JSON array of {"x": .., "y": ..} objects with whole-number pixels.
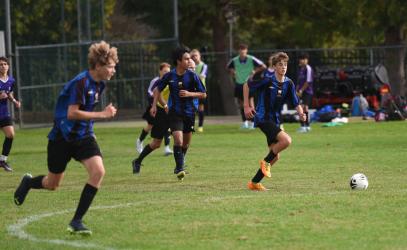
[
  {"x": 272, "y": 94},
  {"x": 202, "y": 70},
  {"x": 304, "y": 90},
  {"x": 72, "y": 135},
  {"x": 6, "y": 94},
  {"x": 241, "y": 68},
  {"x": 159, "y": 123},
  {"x": 184, "y": 86},
  {"x": 164, "y": 68}
]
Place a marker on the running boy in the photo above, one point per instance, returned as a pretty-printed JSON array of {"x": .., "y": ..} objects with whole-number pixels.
[
  {"x": 6, "y": 124},
  {"x": 72, "y": 135},
  {"x": 164, "y": 68},
  {"x": 159, "y": 123},
  {"x": 272, "y": 94},
  {"x": 184, "y": 86},
  {"x": 304, "y": 90}
]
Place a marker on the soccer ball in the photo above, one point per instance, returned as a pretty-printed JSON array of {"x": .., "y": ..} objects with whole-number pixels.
[{"x": 359, "y": 182}]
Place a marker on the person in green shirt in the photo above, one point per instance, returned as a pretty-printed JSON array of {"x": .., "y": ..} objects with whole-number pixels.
[{"x": 241, "y": 68}]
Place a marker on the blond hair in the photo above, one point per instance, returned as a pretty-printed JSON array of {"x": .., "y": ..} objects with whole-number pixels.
[
  {"x": 101, "y": 53},
  {"x": 279, "y": 56}
]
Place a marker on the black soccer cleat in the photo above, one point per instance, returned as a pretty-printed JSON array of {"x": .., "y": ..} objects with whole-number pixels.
[
  {"x": 77, "y": 227},
  {"x": 136, "y": 166},
  {"x": 180, "y": 173},
  {"x": 22, "y": 190},
  {"x": 6, "y": 167}
]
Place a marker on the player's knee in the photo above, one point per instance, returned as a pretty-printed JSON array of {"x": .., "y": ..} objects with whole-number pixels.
[
  {"x": 286, "y": 141},
  {"x": 98, "y": 174}
]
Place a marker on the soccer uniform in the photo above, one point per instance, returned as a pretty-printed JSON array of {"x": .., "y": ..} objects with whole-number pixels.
[
  {"x": 5, "y": 116},
  {"x": 306, "y": 74},
  {"x": 271, "y": 97},
  {"x": 74, "y": 138},
  {"x": 243, "y": 69},
  {"x": 201, "y": 70},
  {"x": 161, "y": 122},
  {"x": 146, "y": 116},
  {"x": 181, "y": 109}
]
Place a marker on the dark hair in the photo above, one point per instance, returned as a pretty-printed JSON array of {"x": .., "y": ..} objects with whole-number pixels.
[
  {"x": 243, "y": 46},
  {"x": 178, "y": 53},
  {"x": 4, "y": 59},
  {"x": 303, "y": 56}
]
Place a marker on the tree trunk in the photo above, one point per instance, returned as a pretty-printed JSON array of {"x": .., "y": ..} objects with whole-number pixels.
[
  {"x": 394, "y": 60},
  {"x": 226, "y": 87}
]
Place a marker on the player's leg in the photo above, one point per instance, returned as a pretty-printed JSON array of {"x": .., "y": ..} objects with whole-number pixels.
[
  {"x": 167, "y": 139},
  {"x": 143, "y": 135},
  {"x": 96, "y": 172},
  {"x": 307, "y": 103},
  {"x": 239, "y": 99},
  {"x": 58, "y": 157},
  {"x": 8, "y": 131},
  {"x": 154, "y": 144},
  {"x": 251, "y": 121},
  {"x": 201, "y": 115}
]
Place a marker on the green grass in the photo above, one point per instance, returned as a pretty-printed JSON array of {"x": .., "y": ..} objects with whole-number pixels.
[{"x": 309, "y": 205}]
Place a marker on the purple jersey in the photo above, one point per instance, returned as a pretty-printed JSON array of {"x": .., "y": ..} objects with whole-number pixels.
[
  {"x": 305, "y": 74},
  {"x": 5, "y": 87}
]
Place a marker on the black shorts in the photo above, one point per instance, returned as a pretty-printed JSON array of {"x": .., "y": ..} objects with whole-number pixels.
[
  {"x": 239, "y": 92},
  {"x": 306, "y": 99},
  {"x": 146, "y": 116},
  {"x": 160, "y": 125},
  {"x": 181, "y": 123},
  {"x": 60, "y": 152},
  {"x": 6, "y": 122},
  {"x": 271, "y": 130}
]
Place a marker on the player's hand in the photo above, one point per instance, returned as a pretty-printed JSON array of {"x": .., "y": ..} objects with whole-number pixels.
[
  {"x": 299, "y": 93},
  {"x": 3, "y": 95},
  {"x": 17, "y": 103},
  {"x": 303, "y": 117},
  {"x": 110, "y": 111},
  {"x": 166, "y": 109},
  {"x": 249, "y": 112},
  {"x": 153, "y": 110},
  {"x": 184, "y": 93}
]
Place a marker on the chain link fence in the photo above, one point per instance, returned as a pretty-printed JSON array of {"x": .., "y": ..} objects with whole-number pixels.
[{"x": 41, "y": 71}]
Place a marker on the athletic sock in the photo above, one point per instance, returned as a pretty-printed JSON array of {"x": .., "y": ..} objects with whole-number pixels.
[
  {"x": 36, "y": 182},
  {"x": 184, "y": 151},
  {"x": 179, "y": 157},
  {"x": 258, "y": 177},
  {"x": 201, "y": 118},
  {"x": 270, "y": 156},
  {"x": 242, "y": 114},
  {"x": 7, "y": 146},
  {"x": 146, "y": 151},
  {"x": 306, "y": 119},
  {"x": 167, "y": 138},
  {"x": 86, "y": 199},
  {"x": 143, "y": 135}
]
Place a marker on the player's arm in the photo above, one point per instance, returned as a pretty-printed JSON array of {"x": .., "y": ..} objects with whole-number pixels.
[
  {"x": 296, "y": 102},
  {"x": 14, "y": 100},
  {"x": 200, "y": 91},
  {"x": 156, "y": 95},
  {"x": 74, "y": 113},
  {"x": 249, "y": 110},
  {"x": 300, "y": 113},
  {"x": 259, "y": 66}
]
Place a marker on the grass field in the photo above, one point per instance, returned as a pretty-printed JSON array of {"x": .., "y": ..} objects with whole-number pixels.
[{"x": 309, "y": 206}]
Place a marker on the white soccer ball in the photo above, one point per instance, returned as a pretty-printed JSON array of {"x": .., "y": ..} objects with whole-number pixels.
[{"x": 359, "y": 182}]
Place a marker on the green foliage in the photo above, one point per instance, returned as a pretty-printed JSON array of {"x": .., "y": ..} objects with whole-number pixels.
[{"x": 310, "y": 204}]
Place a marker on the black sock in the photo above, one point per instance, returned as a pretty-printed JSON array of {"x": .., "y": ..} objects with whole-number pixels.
[
  {"x": 7, "y": 146},
  {"x": 36, "y": 182},
  {"x": 167, "y": 138},
  {"x": 143, "y": 135},
  {"x": 201, "y": 118},
  {"x": 184, "y": 151},
  {"x": 270, "y": 156},
  {"x": 146, "y": 151},
  {"x": 258, "y": 177},
  {"x": 86, "y": 199},
  {"x": 242, "y": 114},
  {"x": 179, "y": 157},
  {"x": 306, "y": 119}
]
